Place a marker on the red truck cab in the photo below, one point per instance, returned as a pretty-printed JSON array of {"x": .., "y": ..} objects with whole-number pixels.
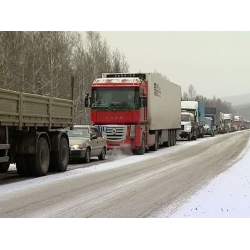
[{"x": 119, "y": 108}]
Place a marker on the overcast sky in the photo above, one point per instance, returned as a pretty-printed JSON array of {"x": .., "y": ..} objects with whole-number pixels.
[{"x": 216, "y": 63}]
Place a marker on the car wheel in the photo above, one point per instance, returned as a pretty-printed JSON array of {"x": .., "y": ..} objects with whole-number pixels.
[
  {"x": 87, "y": 156},
  {"x": 102, "y": 155}
]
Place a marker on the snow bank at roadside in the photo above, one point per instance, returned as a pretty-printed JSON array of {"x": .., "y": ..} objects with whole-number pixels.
[{"x": 228, "y": 195}]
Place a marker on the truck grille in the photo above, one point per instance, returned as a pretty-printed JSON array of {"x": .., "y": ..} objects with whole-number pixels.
[{"x": 116, "y": 132}]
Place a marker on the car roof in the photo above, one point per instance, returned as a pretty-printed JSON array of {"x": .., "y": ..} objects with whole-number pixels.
[{"x": 83, "y": 126}]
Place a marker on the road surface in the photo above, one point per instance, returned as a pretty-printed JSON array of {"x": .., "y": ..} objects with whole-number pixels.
[{"x": 135, "y": 186}]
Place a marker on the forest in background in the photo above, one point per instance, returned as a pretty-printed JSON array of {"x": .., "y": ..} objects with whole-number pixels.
[
  {"x": 222, "y": 106},
  {"x": 41, "y": 62}
]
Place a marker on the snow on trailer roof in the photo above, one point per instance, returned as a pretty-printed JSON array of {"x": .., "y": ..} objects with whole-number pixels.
[{"x": 189, "y": 104}]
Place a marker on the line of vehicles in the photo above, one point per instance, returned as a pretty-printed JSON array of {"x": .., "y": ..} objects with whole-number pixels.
[{"x": 134, "y": 112}]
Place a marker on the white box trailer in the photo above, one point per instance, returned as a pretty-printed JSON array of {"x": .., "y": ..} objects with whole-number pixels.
[{"x": 164, "y": 103}]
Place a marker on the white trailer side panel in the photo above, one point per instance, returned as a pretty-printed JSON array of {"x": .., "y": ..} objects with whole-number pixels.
[{"x": 164, "y": 103}]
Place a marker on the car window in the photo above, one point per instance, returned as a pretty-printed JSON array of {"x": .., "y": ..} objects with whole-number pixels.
[
  {"x": 98, "y": 133},
  {"x": 92, "y": 132}
]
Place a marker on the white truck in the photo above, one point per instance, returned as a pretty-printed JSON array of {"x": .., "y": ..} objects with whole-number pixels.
[
  {"x": 220, "y": 127},
  {"x": 136, "y": 112},
  {"x": 228, "y": 123},
  {"x": 198, "y": 110},
  {"x": 188, "y": 127}
]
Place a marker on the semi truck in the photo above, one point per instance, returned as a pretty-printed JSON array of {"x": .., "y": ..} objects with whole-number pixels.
[
  {"x": 209, "y": 128},
  {"x": 245, "y": 124},
  {"x": 188, "y": 126},
  {"x": 198, "y": 110},
  {"x": 228, "y": 123},
  {"x": 221, "y": 125},
  {"x": 136, "y": 112},
  {"x": 213, "y": 113},
  {"x": 238, "y": 122},
  {"x": 30, "y": 133}
]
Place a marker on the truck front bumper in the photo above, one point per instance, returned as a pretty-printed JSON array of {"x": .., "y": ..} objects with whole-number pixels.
[
  {"x": 121, "y": 146},
  {"x": 183, "y": 133}
]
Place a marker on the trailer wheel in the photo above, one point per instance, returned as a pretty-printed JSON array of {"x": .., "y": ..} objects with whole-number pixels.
[
  {"x": 22, "y": 165},
  {"x": 174, "y": 135},
  {"x": 39, "y": 163},
  {"x": 4, "y": 167},
  {"x": 60, "y": 159}
]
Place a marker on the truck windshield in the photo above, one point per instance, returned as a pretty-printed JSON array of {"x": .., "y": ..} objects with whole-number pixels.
[
  {"x": 185, "y": 118},
  {"x": 115, "y": 98},
  {"x": 208, "y": 121}
]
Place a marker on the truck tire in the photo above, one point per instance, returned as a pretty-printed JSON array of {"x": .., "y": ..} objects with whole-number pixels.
[
  {"x": 141, "y": 150},
  {"x": 174, "y": 137},
  {"x": 59, "y": 160},
  {"x": 170, "y": 138},
  {"x": 189, "y": 137},
  {"x": 22, "y": 165},
  {"x": 156, "y": 145},
  {"x": 4, "y": 167},
  {"x": 202, "y": 133},
  {"x": 39, "y": 163}
]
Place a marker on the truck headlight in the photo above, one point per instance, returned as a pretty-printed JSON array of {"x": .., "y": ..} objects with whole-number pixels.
[
  {"x": 188, "y": 128},
  {"x": 132, "y": 131}
]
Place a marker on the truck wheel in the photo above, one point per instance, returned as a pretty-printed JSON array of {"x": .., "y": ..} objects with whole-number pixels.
[
  {"x": 156, "y": 145},
  {"x": 141, "y": 150},
  {"x": 87, "y": 156},
  {"x": 22, "y": 165},
  {"x": 102, "y": 155},
  {"x": 39, "y": 163},
  {"x": 4, "y": 167},
  {"x": 202, "y": 133},
  {"x": 59, "y": 160},
  {"x": 189, "y": 137},
  {"x": 170, "y": 141},
  {"x": 174, "y": 135}
]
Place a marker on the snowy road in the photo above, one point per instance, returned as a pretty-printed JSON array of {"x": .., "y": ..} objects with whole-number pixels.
[{"x": 135, "y": 186}]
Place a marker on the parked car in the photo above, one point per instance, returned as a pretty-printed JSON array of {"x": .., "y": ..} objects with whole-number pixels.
[{"x": 86, "y": 141}]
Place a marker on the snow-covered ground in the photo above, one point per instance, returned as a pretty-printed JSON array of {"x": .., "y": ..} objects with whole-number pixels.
[{"x": 228, "y": 195}]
